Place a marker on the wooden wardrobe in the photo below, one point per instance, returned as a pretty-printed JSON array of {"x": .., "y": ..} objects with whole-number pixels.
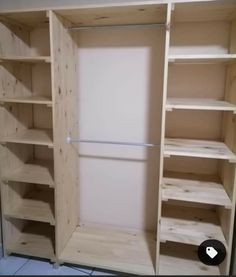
[{"x": 159, "y": 76}]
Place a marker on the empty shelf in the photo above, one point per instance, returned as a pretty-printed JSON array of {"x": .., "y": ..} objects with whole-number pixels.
[
  {"x": 194, "y": 188},
  {"x": 190, "y": 225},
  {"x": 198, "y": 148},
  {"x": 182, "y": 259},
  {"x": 27, "y": 100},
  {"x": 36, "y": 205},
  {"x": 114, "y": 249},
  {"x": 26, "y": 59},
  {"x": 195, "y": 59},
  {"x": 199, "y": 104},
  {"x": 31, "y": 136},
  {"x": 36, "y": 172},
  {"x": 37, "y": 240}
]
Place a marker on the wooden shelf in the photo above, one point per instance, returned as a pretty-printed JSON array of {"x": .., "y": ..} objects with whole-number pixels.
[
  {"x": 36, "y": 172},
  {"x": 190, "y": 225},
  {"x": 198, "y": 148},
  {"x": 26, "y": 59},
  {"x": 34, "y": 99},
  {"x": 199, "y": 104},
  {"x": 194, "y": 188},
  {"x": 182, "y": 259},
  {"x": 114, "y": 249},
  {"x": 36, "y": 205},
  {"x": 36, "y": 240},
  {"x": 31, "y": 136},
  {"x": 195, "y": 59}
]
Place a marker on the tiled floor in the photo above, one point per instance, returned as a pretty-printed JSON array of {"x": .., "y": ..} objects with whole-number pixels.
[{"x": 20, "y": 265}]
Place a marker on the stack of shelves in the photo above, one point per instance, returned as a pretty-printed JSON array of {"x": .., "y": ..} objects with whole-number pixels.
[
  {"x": 198, "y": 201},
  {"x": 27, "y": 177}
]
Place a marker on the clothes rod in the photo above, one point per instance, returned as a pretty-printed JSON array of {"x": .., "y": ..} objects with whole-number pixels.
[
  {"x": 117, "y": 26},
  {"x": 70, "y": 140}
]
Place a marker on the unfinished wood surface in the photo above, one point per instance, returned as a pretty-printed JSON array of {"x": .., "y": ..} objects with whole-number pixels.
[
  {"x": 65, "y": 123},
  {"x": 34, "y": 99},
  {"x": 198, "y": 148},
  {"x": 31, "y": 136},
  {"x": 182, "y": 259},
  {"x": 202, "y": 59},
  {"x": 199, "y": 104},
  {"x": 190, "y": 225},
  {"x": 36, "y": 239},
  {"x": 36, "y": 172},
  {"x": 115, "y": 249},
  {"x": 25, "y": 59},
  {"x": 197, "y": 188},
  {"x": 37, "y": 205},
  {"x": 208, "y": 11},
  {"x": 139, "y": 14}
]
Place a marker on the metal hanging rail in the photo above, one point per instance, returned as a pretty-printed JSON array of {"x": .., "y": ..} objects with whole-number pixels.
[
  {"x": 70, "y": 140},
  {"x": 116, "y": 26}
]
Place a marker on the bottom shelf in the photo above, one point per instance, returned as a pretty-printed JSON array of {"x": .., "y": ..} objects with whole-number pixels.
[
  {"x": 182, "y": 259},
  {"x": 36, "y": 239},
  {"x": 114, "y": 249}
]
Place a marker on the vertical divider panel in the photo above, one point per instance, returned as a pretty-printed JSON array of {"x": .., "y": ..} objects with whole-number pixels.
[
  {"x": 161, "y": 166},
  {"x": 64, "y": 97}
]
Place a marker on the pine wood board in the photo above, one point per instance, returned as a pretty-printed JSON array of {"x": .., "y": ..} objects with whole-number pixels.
[
  {"x": 115, "y": 249},
  {"x": 182, "y": 259},
  {"x": 36, "y": 172},
  {"x": 197, "y": 188},
  {"x": 31, "y": 136},
  {"x": 33, "y": 99},
  {"x": 198, "y": 148},
  {"x": 36, "y": 240},
  {"x": 202, "y": 58},
  {"x": 25, "y": 59},
  {"x": 190, "y": 225},
  {"x": 199, "y": 104},
  {"x": 37, "y": 205}
]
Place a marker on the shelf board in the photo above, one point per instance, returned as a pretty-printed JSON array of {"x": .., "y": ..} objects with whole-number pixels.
[
  {"x": 31, "y": 136},
  {"x": 33, "y": 99},
  {"x": 203, "y": 58},
  {"x": 35, "y": 172},
  {"x": 196, "y": 188},
  {"x": 36, "y": 240},
  {"x": 36, "y": 205},
  {"x": 121, "y": 250},
  {"x": 182, "y": 259},
  {"x": 198, "y": 148},
  {"x": 190, "y": 225},
  {"x": 25, "y": 59},
  {"x": 199, "y": 104}
]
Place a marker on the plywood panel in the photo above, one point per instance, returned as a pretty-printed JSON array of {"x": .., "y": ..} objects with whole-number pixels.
[{"x": 65, "y": 122}]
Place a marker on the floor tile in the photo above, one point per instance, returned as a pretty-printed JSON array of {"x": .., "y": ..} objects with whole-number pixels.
[
  {"x": 85, "y": 269},
  {"x": 102, "y": 272},
  {"x": 11, "y": 264},
  {"x": 42, "y": 267}
]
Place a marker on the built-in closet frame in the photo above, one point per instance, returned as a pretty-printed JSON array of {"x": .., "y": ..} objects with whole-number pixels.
[{"x": 39, "y": 161}]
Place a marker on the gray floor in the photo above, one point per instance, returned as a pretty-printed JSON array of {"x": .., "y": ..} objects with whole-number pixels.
[{"x": 20, "y": 265}]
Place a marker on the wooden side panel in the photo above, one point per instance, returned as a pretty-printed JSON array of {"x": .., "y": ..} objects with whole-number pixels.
[
  {"x": 232, "y": 49},
  {"x": 64, "y": 94},
  {"x": 161, "y": 166}
]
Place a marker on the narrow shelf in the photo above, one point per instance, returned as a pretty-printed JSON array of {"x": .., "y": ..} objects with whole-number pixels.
[
  {"x": 43, "y": 100},
  {"x": 194, "y": 188},
  {"x": 31, "y": 136},
  {"x": 37, "y": 205},
  {"x": 122, "y": 250},
  {"x": 199, "y": 104},
  {"x": 36, "y": 240},
  {"x": 25, "y": 59},
  {"x": 198, "y": 148},
  {"x": 182, "y": 259},
  {"x": 190, "y": 225},
  {"x": 203, "y": 58},
  {"x": 36, "y": 172}
]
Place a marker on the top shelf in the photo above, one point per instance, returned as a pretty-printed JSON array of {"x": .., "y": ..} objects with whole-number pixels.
[
  {"x": 202, "y": 59},
  {"x": 24, "y": 59}
]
